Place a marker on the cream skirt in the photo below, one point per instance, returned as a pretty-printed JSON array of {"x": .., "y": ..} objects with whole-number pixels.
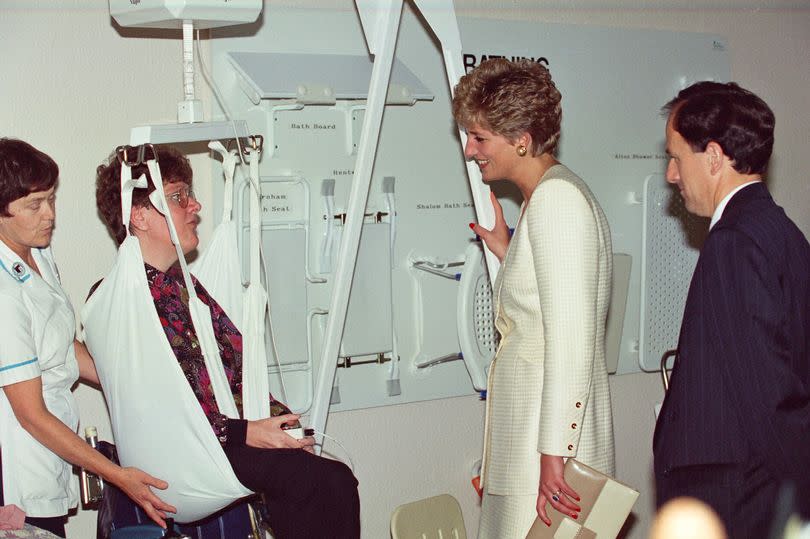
[{"x": 507, "y": 517}]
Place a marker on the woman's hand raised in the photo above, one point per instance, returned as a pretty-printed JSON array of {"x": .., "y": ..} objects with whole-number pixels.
[{"x": 497, "y": 239}]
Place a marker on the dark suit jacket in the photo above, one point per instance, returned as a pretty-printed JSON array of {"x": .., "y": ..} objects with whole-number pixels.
[{"x": 740, "y": 388}]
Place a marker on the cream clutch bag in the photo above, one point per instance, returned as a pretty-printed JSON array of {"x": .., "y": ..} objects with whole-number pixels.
[{"x": 604, "y": 501}]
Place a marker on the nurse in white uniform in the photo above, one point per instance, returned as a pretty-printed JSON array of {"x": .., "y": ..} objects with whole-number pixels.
[{"x": 40, "y": 359}]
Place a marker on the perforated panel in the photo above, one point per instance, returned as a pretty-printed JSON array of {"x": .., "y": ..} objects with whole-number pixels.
[
  {"x": 484, "y": 316},
  {"x": 671, "y": 241}
]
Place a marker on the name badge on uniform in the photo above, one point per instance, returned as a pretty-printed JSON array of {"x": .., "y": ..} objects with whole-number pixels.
[{"x": 19, "y": 271}]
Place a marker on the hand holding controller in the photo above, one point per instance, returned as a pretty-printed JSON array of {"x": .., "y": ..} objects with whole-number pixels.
[
  {"x": 272, "y": 433},
  {"x": 299, "y": 432}
]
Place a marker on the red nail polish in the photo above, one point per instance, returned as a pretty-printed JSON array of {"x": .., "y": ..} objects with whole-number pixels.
[
  {"x": 547, "y": 523},
  {"x": 472, "y": 225},
  {"x": 577, "y": 498},
  {"x": 574, "y": 515}
]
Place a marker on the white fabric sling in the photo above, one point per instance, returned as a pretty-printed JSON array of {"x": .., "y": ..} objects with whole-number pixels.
[
  {"x": 255, "y": 388},
  {"x": 157, "y": 421},
  {"x": 218, "y": 269}
]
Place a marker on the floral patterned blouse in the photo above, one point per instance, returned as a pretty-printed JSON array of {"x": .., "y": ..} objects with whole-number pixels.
[{"x": 171, "y": 302}]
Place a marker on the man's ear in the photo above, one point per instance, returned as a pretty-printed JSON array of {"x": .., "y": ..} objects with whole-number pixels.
[{"x": 716, "y": 156}]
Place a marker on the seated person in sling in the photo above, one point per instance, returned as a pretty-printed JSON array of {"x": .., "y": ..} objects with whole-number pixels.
[{"x": 307, "y": 496}]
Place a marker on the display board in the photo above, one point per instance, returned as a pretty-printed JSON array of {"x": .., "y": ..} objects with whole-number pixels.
[{"x": 613, "y": 81}]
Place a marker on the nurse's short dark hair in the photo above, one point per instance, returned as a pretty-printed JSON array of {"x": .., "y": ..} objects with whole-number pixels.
[
  {"x": 23, "y": 170},
  {"x": 174, "y": 168},
  {"x": 733, "y": 117}
]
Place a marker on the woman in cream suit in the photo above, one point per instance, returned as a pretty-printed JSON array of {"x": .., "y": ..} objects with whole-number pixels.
[{"x": 548, "y": 395}]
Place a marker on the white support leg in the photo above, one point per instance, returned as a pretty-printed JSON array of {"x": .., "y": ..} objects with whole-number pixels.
[
  {"x": 381, "y": 39},
  {"x": 441, "y": 17}
]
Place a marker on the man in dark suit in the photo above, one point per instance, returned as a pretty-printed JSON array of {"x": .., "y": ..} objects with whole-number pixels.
[{"x": 735, "y": 424}]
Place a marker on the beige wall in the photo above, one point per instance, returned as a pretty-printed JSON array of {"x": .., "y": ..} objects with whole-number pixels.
[{"x": 73, "y": 86}]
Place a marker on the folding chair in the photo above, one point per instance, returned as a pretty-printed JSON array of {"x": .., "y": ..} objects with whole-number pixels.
[{"x": 438, "y": 517}]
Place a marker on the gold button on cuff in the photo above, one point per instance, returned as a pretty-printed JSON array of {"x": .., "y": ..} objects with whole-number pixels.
[
  {"x": 570, "y": 447},
  {"x": 573, "y": 425},
  {"x": 578, "y": 405}
]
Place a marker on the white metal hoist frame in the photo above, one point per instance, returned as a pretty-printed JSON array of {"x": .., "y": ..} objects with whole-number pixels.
[{"x": 380, "y": 21}]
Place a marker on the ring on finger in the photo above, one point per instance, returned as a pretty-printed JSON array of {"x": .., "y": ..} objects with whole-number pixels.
[{"x": 556, "y": 496}]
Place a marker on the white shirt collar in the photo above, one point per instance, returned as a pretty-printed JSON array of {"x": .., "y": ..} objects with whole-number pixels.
[{"x": 718, "y": 212}]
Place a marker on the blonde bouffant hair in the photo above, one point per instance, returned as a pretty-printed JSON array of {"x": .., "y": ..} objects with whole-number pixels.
[{"x": 510, "y": 98}]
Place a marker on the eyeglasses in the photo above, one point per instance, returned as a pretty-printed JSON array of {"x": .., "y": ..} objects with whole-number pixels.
[{"x": 181, "y": 197}]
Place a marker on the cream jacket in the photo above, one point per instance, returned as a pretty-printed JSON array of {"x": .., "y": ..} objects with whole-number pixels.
[{"x": 548, "y": 387}]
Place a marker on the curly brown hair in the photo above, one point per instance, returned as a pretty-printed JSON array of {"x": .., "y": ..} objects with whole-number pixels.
[
  {"x": 174, "y": 168},
  {"x": 510, "y": 98}
]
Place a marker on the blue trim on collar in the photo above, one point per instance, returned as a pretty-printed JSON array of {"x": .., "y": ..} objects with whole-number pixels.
[
  {"x": 16, "y": 277},
  {"x": 20, "y": 364}
]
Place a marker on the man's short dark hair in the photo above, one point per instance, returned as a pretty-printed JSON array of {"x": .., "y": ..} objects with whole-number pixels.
[
  {"x": 736, "y": 119},
  {"x": 23, "y": 170}
]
